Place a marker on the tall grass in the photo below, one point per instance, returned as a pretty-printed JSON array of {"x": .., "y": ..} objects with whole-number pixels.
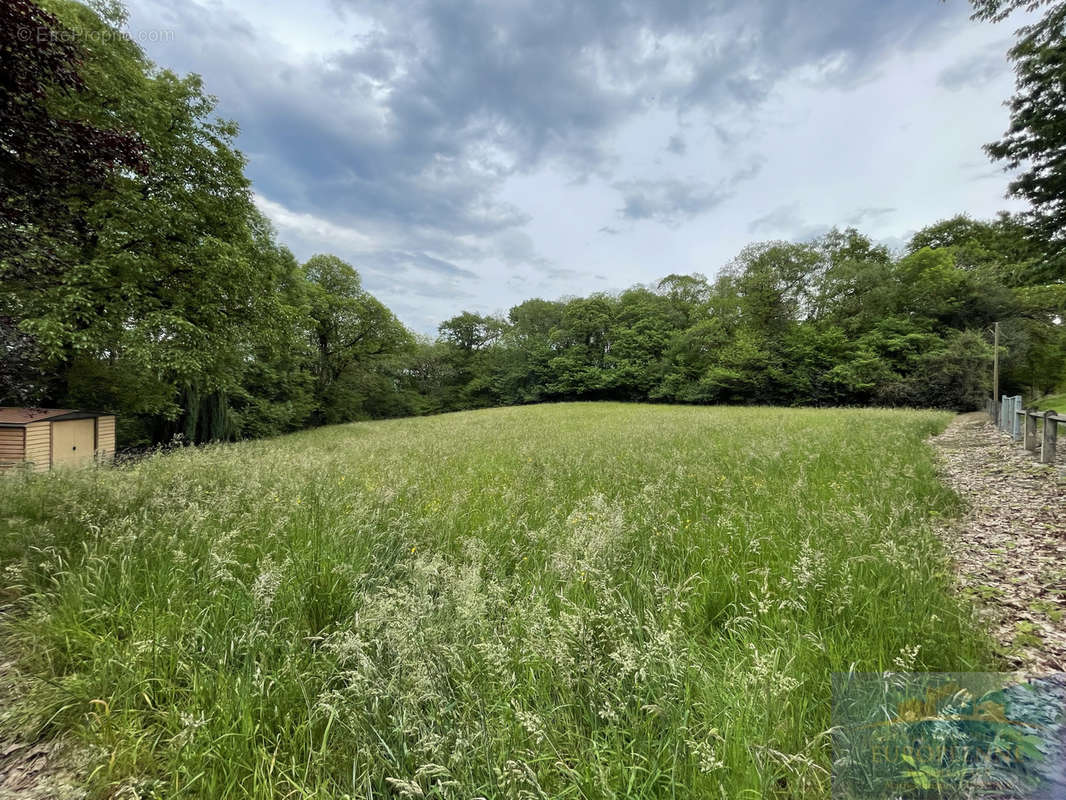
[
  {"x": 582, "y": 600},
  {"x": 1054, "y": 401}
]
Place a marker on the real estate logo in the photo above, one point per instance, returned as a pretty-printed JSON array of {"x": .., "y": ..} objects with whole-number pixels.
[{"x": 966, "y": 735}]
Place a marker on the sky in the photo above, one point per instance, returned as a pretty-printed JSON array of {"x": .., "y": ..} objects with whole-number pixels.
[{"x": 469, "y": 155}]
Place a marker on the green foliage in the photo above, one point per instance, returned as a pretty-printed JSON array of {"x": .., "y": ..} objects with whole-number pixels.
[
  {"x": 52, "y": 162},
  {"x": 173, "y": 305},
  {"x": 588, "y": 600},
  {"x": 468, "y": 341},
  {"x": 173, "y": 280},
  {"x": 1056, "y": 402},
  {"x": 143, "y": 281},
  {"x": 1007, "y": 246},
  {"x": 998, "y": 10},
  {"x": 1034, "y": 141},
  {"x": 836, "y": 321},
  {"x": 353, "y": 336}
]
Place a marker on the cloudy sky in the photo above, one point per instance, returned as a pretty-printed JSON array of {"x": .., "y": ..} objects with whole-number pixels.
[{"x": 470, "y": 154}]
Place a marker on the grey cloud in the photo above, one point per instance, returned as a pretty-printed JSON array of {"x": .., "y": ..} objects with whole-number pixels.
[
  {"x": 786, "y": 221},
  {"x": 524, "y": 81},
  {"x": 516, "y": 247},
  {"x": 671, "y": 201},
  {"x": 977, "y": 69},
  {"x": 390, "y": 285},
  {"x": 412, "y": 128},
  {"x": 868, "y": 215},
  {"x": 747, "y": 173},
  {"x": 677, "y": 145},
  {"x": 808, "y": 233},
  {"x": 781, "y": 218},
  {"x": 975, "y": 171},
  {"x": 667, "y": 201},
  {"x": 393, "y": 262}
]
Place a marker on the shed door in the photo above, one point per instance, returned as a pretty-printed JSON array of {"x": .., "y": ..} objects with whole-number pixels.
[{"x": 72, "y": 442}]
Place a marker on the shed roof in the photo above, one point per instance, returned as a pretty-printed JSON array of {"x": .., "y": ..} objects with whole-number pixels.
[{"x": 15, "y": 416}]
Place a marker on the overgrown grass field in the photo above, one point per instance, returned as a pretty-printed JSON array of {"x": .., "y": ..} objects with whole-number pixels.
[
  {"x": 1054, "y": 401},
  {"x": 562, "y": 601}
]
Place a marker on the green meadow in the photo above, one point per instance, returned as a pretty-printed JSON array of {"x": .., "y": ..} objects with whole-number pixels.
[
  {"x": 557, "y": 601},
  {"x": 1053, "y": 401}
]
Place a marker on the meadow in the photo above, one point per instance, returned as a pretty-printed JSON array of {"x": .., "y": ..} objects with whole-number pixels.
[
  {"x": 557, "y": 601},
  {"x": 1053, "y": 401}
]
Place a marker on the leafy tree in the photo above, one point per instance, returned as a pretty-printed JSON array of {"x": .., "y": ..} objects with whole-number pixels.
[
  {"x": 427, "y": 375},
  {"x": 999, "y": 10},
  {"x": 1036, "y": 136},
  {"x": 470, "y": 332},
  {"x": 470, "y": 343},
  {"x": 51, "y": 164},
  {"x": 51, "y": 161},
  {"x": 943, "y": 373},
  {"x": 856, "y": 283},
  {"x": 582, "y": 342},
  {"x": 775, "y": 282},
  {"x": 528, "y": 350},
  {"x": 354, "y": 337},
  {"x": 643, "y": 326},
  {"x": 1004, "y": 263},
  {"x": 277, "y": 385},
  {"x": 1007, "y": 246},
  {"x": 688, "y": 295},
  {"x": 691, "y": 355},
  {"x": 170, "y": 281}
]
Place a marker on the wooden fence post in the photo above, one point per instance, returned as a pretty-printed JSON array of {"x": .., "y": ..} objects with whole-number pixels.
[
  {"x": 1030, "y": 430},
  {"x": 1051, "y": 434}
]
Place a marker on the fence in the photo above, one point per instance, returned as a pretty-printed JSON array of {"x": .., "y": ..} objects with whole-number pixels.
[{"x": 1028, "y": 425}]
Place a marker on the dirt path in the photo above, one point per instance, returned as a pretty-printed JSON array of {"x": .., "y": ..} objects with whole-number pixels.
[
  {"x": 45, "y": 770},
  {"x": 1010, "y": 546}
]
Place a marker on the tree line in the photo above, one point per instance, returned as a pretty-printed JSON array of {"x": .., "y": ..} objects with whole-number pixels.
[{"x": 138, "y": 277}]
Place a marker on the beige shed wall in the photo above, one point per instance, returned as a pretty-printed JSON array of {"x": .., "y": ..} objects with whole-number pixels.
[
  {"x": 39, "y": 445},
  {"x": 12, "y": 448},
  {"x": 105, "y": 438}
]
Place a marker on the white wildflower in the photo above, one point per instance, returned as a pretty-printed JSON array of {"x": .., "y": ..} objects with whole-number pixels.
[
  {"x": 906, "y": 659},
  {"x": 189, "y": 725},
  {"x": 405, "y": 788},
  {"x": 531, "y": 723},
  {"x": 706, "y": 753},
  {"x": 266, "y": 585}
]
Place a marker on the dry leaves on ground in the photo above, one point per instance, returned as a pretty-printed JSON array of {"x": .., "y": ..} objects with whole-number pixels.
[
  {"x": 42, "y": 770},
  {"x": 1010, "y": 546}
]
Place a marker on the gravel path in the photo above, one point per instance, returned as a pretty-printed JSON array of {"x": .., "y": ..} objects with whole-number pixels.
[{"x": 1010, "y": 546}]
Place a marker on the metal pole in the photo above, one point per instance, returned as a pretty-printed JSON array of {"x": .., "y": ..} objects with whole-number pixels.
[{"x": 995, "y": 369}]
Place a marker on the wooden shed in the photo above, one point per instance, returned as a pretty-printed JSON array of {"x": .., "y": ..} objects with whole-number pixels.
[{"x": 54, "y": 437}]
